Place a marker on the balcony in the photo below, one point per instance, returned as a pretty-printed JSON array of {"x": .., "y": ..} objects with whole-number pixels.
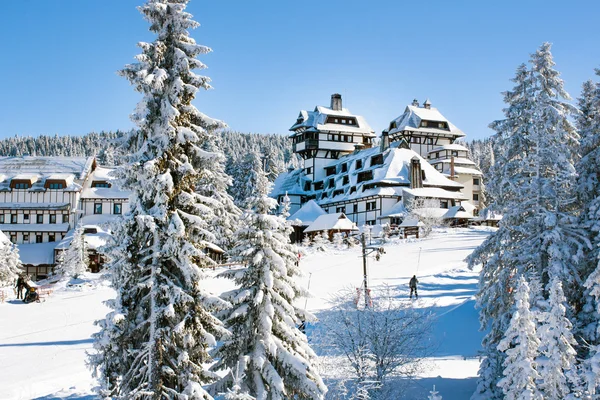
[{"x": 307, "y": 144}]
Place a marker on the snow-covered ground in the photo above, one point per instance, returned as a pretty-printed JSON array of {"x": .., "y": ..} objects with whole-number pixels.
[{"x": 43, "y": 346}]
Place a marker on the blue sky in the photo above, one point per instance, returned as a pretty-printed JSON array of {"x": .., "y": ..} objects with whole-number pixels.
[{"x": 273, "y": 58}]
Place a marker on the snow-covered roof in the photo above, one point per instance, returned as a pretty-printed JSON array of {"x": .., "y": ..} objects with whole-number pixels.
[
  {"x": 37, "y": 253},
  {"x": 453, "y": 146},
  {"x": 78, "y": 166},
  {"x": 98, "y": 219},
  {"x": 412, "y": 117},
  {"x": 437, "y": 193},
  {"x": 317, "y": 121},
  {"x": 307, "y": 214},
  {"x": 288, "y": 182},
  {"x": 103, "y": 174},
  {"x": 398, "y": 210},
  {"x": 328, "y": 222},
  {"x": 466, "y": 171},
  {"x": 460, "y": 212},
  {"x": 409, "y": 222}
]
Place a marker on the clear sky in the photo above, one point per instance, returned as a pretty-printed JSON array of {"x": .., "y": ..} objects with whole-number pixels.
[{"x": 272, "y": 58}]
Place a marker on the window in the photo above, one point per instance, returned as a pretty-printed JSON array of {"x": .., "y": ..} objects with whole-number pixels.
[
  {"x": 352, "y": 189},
  {"x": 306, "y": 186},
  {"x": 340, "y": 209},
  {"x": 443, "y": 203},
  {"x": 100, "y": 184},
  {"x": 355, "y": 208},
  {"x": 1, "y": 218},
  {"x": 318, "y": 185},
  {"x": 330, "y": 171},
  {"x": 97, "y": 208},
  {"x": 51, "y": 237},
  {"x": 415, "y": 139},
  {"x": 117, "y": 208},
  {"x": 13, "y": 218},
  {"x": 344, "y": 167},
  {"x": 65, "y": 218},
  {"x": 22, "y": 185},
  {"x": 13, "y": 237},
  {"x": 475, "y": 196},
  {"x": 39, "y": 219},
  {"x": 38, "y": 238},
  {"x": 455, "y": 153},
  {"x": 475, "y": 181},
  {"x": 331, "y": 184},
  {"x": 358, "y": 164},
  {"x": 377, "y": 160},
  {"x": 52, "y": 218},
  {"x": 345, "y": 180},
  {"x": 309, "y": 170},
  {"x": 56, "y": 185},
  {"x": 26, "y": 218},
  {"x": 26, "y": 238},
  {"x": 371, "y": 222},
  {"x": 371, "y": 205},
  {"x": 364, "y": 176},
  {"x": 423, "y": 177}
]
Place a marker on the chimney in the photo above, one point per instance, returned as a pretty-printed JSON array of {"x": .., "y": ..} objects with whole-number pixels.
[
  {"x": 385, "y": 141},
  {"x": 415, "y": 103},
  {"x": 336, "y": 102},
  {"x": 416, "y": 174},
  {"x": 358, "y": 147},
  {"x": 452, "y": 167},
  {"x": 427, "y": 104}
]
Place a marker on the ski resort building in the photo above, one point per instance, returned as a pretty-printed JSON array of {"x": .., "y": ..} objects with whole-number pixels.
[
  {"x": 344, "y": 172},
  {"x": 434, "y": 137},
  {"x": 42, "y": 199}
]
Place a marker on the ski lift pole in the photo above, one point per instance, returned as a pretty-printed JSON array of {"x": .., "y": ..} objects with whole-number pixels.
[
  {"x": 419, "y": 260},
  {"x": 364, "y": 254},
  {"x": 307, "y": 289}
]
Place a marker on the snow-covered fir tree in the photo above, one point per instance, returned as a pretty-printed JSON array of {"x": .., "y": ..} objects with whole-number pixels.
[
  {"x": 557, "y": 354},
  {"x": 320, "y": 241},
  {"x": 155, "y": 342},
  {"x": 265, "y": 340},
  {"x": 10, "y": 262},
  {"x": 306, "y": 241},
  {"x": 235, "y": 392},
  {"x": 532, "y": 183},
  {"x": 338, "y": 240},
  {"x": 520, "y": 344},
  {"x": 243, "y": 172},
  {"x": 75, "y": 260}
]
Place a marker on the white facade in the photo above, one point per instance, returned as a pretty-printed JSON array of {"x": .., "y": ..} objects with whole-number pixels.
[{"x": 43, "y": 198}]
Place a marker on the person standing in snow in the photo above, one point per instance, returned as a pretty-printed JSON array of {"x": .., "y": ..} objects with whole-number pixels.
[
  {"x": 413, "y": 286},
  {"x": 20, "y": 285}
]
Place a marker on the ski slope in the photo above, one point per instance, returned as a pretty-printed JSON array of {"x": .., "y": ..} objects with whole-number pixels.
[{"x": 43, "y": 346}]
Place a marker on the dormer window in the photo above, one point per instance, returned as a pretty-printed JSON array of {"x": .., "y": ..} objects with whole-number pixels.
[
  {"x": 344, "y": 167},
  {"x": 21, "y": 185},
  {"x": 377, "y": 159},
  {"x": 100, "y": 184},
  {"x": 358, "y": 164},
  {"x": 345, "y": 180},
  {"x": 55, "y": 184}
]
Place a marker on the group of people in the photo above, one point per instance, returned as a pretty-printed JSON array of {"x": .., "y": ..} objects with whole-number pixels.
[{"x": 31, "y": 293}]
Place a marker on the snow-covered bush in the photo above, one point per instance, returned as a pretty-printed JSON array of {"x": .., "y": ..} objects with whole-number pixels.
[
  {"x": 338, "y": 240},
  {"x": 427, "y": 211},
  {"x": 74, "y": 261},
  {"x": 9, "y": 261},
  {"x": 306, "y": 242}
]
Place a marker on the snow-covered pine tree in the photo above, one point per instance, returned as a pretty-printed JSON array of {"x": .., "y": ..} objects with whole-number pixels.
[
  {"x": 338, "y": 240},
  {"x": 588, "y": 169},
  {"x": 265, "y": 339},
  {"x": 242, "y": 173},
  {"x": 236, "y": 393},
  {"x": 212, "y": 186},
  {"x": 557, "y": 366},
  {"x": 75, "y": 260},
  {"x": 532, "y": 183},
  {"x": 285, "y": 206},
  {"x": 155, "y": 341},
  {"x": 306, "y": 242},
  {"x": 520, "y": 344},
  {"x": 320, "y": 241},
  {"x": 10, "y": 263}
]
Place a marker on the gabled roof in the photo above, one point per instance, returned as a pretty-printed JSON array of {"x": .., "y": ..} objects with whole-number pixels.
[
  {"x": 78, "y": 166},
  {"x": 307, "y": 214},
  {"x": 317, "y": 121},
  {"x": 412, "y": 117},
  {"x": 329, "y": 222},
  {"x": 103, "y": 174}
]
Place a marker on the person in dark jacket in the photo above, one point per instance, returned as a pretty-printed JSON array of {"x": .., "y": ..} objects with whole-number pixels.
[
  {"x": 20, "y": 286},
  {"x": 413, "y": 286},
  {"x": 31, "y": 296}
]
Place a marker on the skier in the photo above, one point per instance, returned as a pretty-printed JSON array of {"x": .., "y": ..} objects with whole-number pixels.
[
  {"x": 20, "y": 285},
  {"x": 413, "y": 286}
]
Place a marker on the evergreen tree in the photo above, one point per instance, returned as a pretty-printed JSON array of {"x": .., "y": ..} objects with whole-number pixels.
[
  {"x": 557, "y": 364},
  {"x": 520, "y": 344},
  {"x": 265, "y": 341},
  {"x": 320, "y": 241},
  {"x": 306, "y": 242},
  {"x": 243, "y": 173},
  {"x": 532, "y": 183},
  {"x": 10, "y": 263},
  {"x": 155, "y": 341},
  {"x": 75, "y": 260},
  {"x": 338, "y": 240}
]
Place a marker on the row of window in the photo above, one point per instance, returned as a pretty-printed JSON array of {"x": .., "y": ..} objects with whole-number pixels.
[
  {"x": 39, "y": 218},
  {"x": 117, "y": 208},
  {"x": 38, "y": 237},
  {"x": 371, "y": 206}
]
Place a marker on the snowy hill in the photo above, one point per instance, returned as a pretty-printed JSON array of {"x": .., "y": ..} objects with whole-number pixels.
[{"x": 43, "y": 345}]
